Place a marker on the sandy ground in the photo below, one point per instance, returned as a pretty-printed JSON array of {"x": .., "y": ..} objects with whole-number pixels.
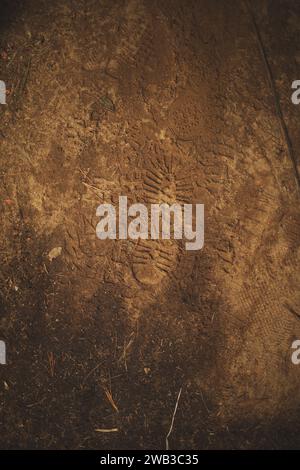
[{"x": 162, "y": 101}]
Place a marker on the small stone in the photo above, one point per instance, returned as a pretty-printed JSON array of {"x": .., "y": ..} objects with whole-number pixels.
[{"x": 54, "y": 253}]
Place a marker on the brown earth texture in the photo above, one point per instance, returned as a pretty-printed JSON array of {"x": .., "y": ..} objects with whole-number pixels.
[{"x": 161, "y": 101}]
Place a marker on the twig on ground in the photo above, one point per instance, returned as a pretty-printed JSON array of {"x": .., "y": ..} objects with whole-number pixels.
[
  {"x": 91, "y": 372},
  {"x": 126, "y": 348},
  {"x": 110, "y": 398},
  {"x": 173, "y": 419},
  {"x": 272, "y": 84},
  {"x": 107, "y": 430}
]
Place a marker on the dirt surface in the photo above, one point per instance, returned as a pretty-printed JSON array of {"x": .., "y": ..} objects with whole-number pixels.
[{"x": 162, "y": 101}]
